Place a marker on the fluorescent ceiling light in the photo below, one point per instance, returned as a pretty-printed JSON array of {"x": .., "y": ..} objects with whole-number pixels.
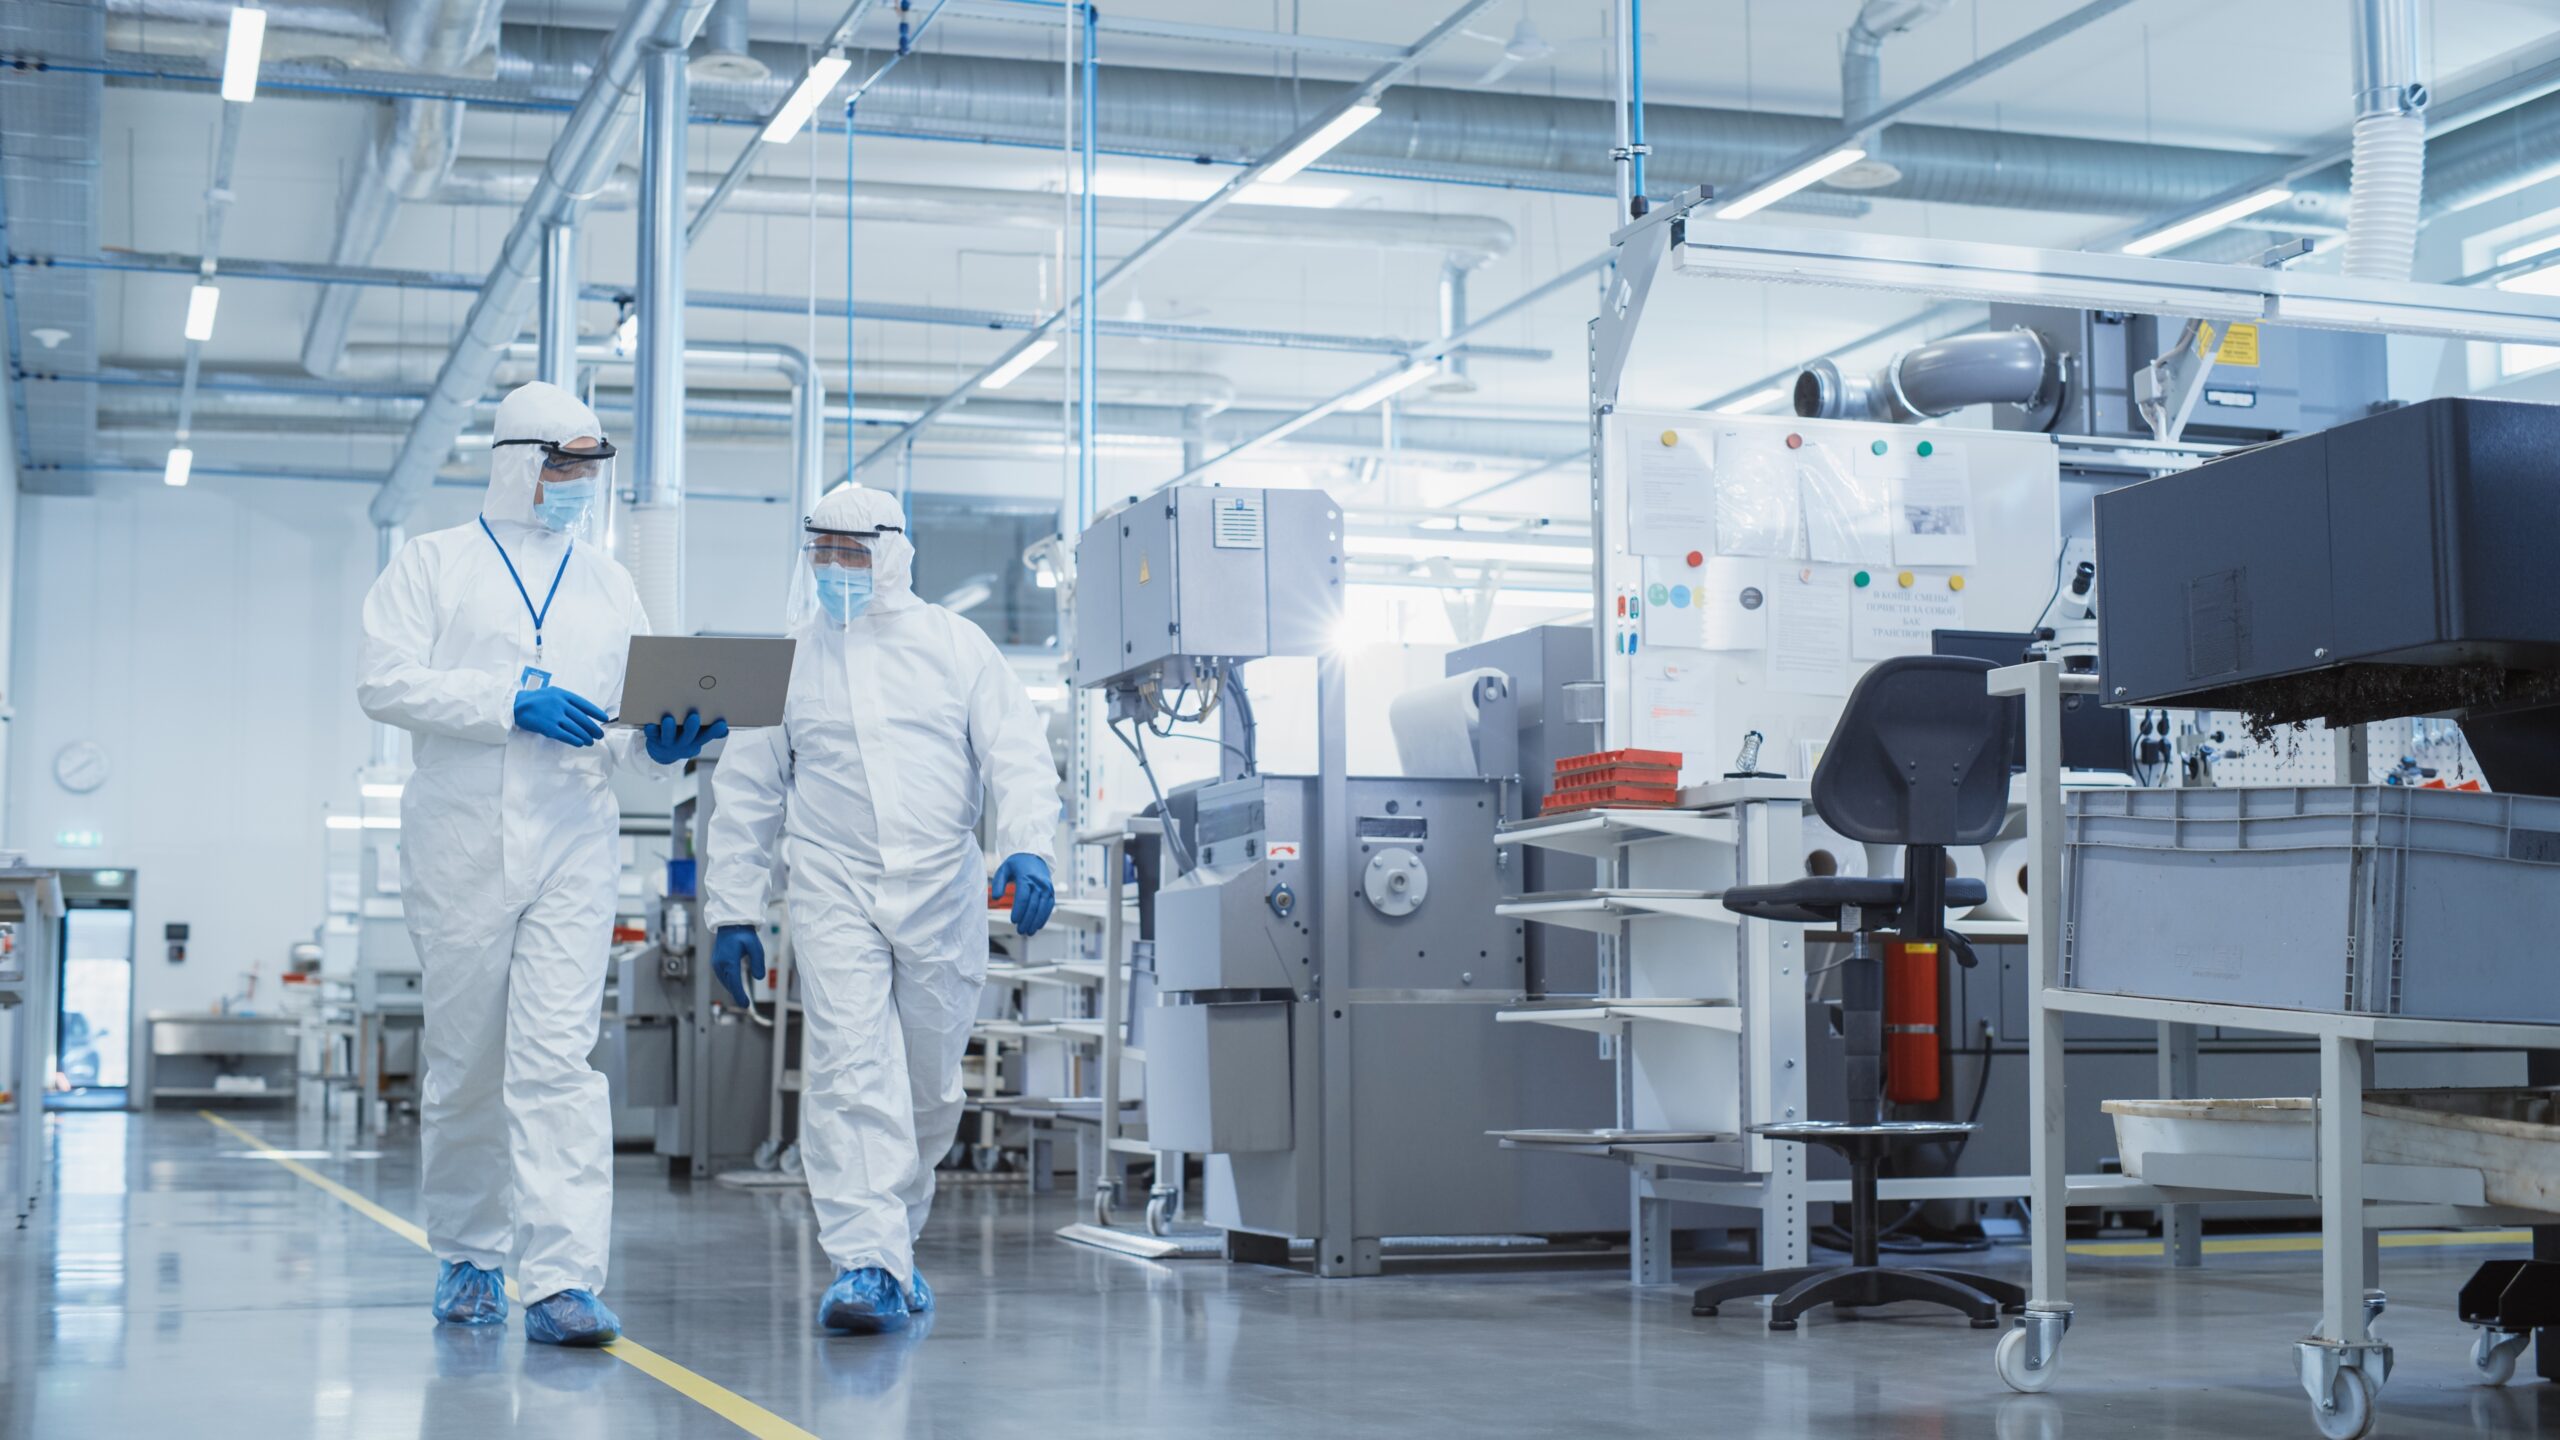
[
  {"x": 1754, "y": 402},
  {"x": 181, "y": 461},
  {"x": 2171, "y": 236},
  {"x": 1308, "y": 151},
  {"x": 1791, "y": 182},
  {"x": 794, "y": 115},
  {"x": 377, "y": 790},
  {"x": 1191, "y": 189},
  {"x": 363, "y": 822},
  {"x": 202, "y": 301},
  {"x": 240, "y": 54},
  {"x": 1396, "y": 384},
  {"x": 1012, "y": 370}
]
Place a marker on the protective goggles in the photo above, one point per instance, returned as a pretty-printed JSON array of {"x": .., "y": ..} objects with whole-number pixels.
[
  {"x": 839, "y": 548},
  {"x": 570, "y": 460}
]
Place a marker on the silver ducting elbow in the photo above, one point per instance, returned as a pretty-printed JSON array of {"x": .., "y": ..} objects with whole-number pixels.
[{"x": 2004, "y": 367}]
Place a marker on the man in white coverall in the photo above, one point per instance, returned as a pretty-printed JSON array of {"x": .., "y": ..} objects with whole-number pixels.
[
  {"x": 901, "y": 716},
  {"x": 499, "y": 646}
]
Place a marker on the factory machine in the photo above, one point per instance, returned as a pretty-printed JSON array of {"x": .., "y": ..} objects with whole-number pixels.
[{"x": 1327, "y": 958}]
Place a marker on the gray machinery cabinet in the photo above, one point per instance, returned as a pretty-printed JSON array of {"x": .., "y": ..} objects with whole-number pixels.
[
  {"x": 1204, "y": 572},
  {"x": 1236, "y": 1062}
]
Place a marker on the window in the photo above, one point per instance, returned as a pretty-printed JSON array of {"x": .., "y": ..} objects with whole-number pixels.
[{"x": 2516, "y": 360}]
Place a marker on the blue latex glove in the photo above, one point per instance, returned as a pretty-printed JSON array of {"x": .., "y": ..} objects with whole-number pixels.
[
  {"x": 1033, "y": 896},
  {"x": 562, "y": 715},
  {"x": 736, "y": 948},
  {"x": 670, "y": 742}
]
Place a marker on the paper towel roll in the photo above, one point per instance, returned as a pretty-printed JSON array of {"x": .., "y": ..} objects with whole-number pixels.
[
  {"x": 1435, "y": 725},
  {"x": 1828, "y": 852},
  {"x": 2005, "y": 867}
]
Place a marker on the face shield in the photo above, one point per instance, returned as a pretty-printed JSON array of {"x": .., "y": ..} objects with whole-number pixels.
[
  {"x": 573, "y": 482},
  {"x": 832, "y": 585}
]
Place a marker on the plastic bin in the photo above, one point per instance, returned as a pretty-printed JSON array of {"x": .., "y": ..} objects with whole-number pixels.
[
  {"x": 2509, "y": 1136},
  {"x": 2436, "y": 904}
]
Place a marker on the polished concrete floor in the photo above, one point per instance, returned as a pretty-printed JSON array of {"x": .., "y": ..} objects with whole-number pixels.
[{"x": 180, "y": 1284}]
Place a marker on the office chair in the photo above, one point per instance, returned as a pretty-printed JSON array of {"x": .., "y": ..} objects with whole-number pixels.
[{"x": 1920, "y": 759}]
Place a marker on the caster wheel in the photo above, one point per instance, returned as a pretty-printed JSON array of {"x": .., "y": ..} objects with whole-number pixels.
[
  {"x": 768, "y": 1154},
  {"x": 1159, "y": 1216},
  {"x": 789, "y": 1161},
  {"x": 2493, "y": 1356},
  {"x": 1702, "y": 1310},
  {"x": 2010, "y": 1359},
  {"x": 1992, "y": 1324},
  {"x": 1782, "y": 1324},
  {"x": 2351, "y": 1411},
  {"x": 985, "y": 1158},
  {"x": 1102, "y": 1207}
]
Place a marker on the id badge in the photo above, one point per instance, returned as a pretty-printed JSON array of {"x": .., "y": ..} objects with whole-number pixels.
[{"x": 533, "y": 679}]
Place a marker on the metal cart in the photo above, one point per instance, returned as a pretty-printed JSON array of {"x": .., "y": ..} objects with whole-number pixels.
[{"x": 2342, "y": 1366}]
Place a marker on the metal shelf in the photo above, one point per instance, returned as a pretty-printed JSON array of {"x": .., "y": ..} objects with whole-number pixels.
[
  {"x": 1603, "y": 911},
  {"x": 1602, "y": 833},
  {"x": 1605, "y": 1016},
  {"x": 1693, "y": 1146}
]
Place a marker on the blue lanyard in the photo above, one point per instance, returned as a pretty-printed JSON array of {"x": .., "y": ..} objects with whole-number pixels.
[{"x": 548, "y": 596}]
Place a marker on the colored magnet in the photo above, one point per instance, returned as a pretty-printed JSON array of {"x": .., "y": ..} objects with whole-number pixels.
[
  {"x": 1905, "y": 579},
  {"x": 1955, "y": 582},
  {"x": 1795, "y": 442},
  {"x": 1696, "y": 559},
  {"x": 1927, "y": 449},
  {"x": 1876, "y": 449},
  {"x": 1670, "y": 437},
  {"x": 1862, "y": 579}
]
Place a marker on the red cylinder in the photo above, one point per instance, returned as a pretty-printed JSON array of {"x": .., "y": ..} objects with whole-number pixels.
[{"x": 1911, "y": 1022}]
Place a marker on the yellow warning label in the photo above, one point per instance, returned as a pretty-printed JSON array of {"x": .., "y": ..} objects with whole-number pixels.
[
  {"x": 1144, "y": 574},
  {"x": 2204, "y": 339},
  {"x": 2239, "y": 346}
]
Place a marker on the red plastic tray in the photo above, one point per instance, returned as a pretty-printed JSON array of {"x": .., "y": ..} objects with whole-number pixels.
[
  {"x": 1619, "y": 775},
  {"x": 1600, "y": 759},
  {"x": 1594, "y": 797}
]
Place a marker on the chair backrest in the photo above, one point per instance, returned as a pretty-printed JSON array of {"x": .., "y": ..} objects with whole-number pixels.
[{"x": 1920, "y": 756}]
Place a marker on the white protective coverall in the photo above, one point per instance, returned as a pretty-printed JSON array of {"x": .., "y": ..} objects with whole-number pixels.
[
  {"x": 897, "y": 723},
  {"x": 509, "y": 856}
]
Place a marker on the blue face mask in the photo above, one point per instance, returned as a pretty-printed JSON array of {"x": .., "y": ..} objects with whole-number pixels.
[
  {"x": 843, "y": 592},
  {"x": 564, "y": 503}
]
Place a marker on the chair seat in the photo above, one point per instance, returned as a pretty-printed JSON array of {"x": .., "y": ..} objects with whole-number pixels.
[{"x": 1819, "y": 899}]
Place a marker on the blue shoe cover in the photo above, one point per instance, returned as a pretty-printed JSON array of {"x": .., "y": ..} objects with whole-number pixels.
[
  {"x": 469, "y": 1295},
  {"x": 572, "y": 1317},
  {"x": 865, "y": 1302},
  {"x": 919, "y": 1295}
]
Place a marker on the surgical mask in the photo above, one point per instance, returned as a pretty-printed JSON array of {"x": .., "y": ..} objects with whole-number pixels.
[
  {"x": 844, "y": 592},
  {"x": 564, "y": 503}
]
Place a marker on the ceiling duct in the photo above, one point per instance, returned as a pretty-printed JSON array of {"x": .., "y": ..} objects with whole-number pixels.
[{"x": 49, "y": 123}]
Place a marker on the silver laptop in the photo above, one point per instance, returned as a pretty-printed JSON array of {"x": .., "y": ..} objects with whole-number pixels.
[{"x": 740, "y": 679}]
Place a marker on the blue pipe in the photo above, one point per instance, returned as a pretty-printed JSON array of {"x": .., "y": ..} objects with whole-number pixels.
[
  {"x": 1088, "y": 233},
  {"x": 851, "y": 311},
  {"x": 1635, "y": 106}
]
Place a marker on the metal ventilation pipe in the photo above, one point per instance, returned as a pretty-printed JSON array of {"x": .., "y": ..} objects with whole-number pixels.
[
  {"x": 2387, "y": 174},
  {"x": 556, "y": 307},
  {"x": 1453, "y": 378},
  {"x": 1862, "y": 81},
  {"x": 656, "y": 549},
  {"x": 1991, "y": 368},
  {"x": 726, "y": 57}
]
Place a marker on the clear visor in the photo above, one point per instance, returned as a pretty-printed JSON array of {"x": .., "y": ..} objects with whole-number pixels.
[
  {"x": 831, "y": 586},
  {"x": 572, "y": 484}
]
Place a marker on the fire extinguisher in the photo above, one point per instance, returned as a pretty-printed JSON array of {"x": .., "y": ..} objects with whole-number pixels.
[{"x": 1911, "y": 1022}]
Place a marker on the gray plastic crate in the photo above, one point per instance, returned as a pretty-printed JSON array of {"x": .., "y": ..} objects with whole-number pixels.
[{"x": 2438, "y": 904}]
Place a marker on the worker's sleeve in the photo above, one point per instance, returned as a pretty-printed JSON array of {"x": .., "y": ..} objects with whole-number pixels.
[
  {"x": 750, "y": 791},
  {"x": 626, "y": 745},
  {"x": 1011, "y": 742},
  {"x": 396, "y": 682}
]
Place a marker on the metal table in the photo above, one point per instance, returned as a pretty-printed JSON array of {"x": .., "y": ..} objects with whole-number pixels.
[
  {"x": 30, "y": 912},
  {"x": 2342, "y": 1365}
]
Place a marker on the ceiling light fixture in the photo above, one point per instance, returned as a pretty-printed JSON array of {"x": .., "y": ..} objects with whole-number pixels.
[
  {"x": 240, "y": 54},
  {"x": 202, "y": 302},
  {"x": 1308, "y": 151},
  {"x": 181, "y": 461},
  {"x": 793, "y": 117},
  {"x": 2170, "y": 236},
  {"x": 1801, "y": 177},
  {"x": 1013, "y": 369}
]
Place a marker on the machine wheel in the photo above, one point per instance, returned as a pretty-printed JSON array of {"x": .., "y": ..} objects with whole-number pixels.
[
  {"x": 1160, "y": 1220},
  {"x": 1102, "y": 1205},
  {"x": 2351, "y": 1411},
  {"x": 789, "y": 1163},
  {"x": 2010, "y": 1359},
  {"x": 768, "y": 1154},
  {"x": 985, "y": 1158},
  {"x": 2493, "y": 1356}
]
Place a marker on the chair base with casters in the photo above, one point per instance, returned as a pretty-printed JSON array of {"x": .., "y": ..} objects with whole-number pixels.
[{"x": 1863, "y": 1281}]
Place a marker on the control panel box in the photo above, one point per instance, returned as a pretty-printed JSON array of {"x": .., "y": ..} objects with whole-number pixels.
[{"x": 1204, "y": 573}]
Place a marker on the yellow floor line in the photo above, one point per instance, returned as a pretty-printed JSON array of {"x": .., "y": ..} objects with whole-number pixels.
[
  {"x": 748, "y": 1416},
  {"x": 2310, "y": 1244}
]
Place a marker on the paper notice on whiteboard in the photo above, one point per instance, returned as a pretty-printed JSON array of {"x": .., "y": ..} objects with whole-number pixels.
[
  {"x": 1933, "y": 515},
  {"x": 1809, "y": 631},
  {"x": 1721, "y": 605},
  {"x": 1670, "y": 490},
  {"x": 1848, "y": 513},
  {"x": 1887, "y": 620},
  {"x": 1756, "y": 502},
  {"x": 1674, "y": 706}
]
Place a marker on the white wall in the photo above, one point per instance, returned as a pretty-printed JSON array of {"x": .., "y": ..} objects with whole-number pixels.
[{"x": 206, "y": 638}]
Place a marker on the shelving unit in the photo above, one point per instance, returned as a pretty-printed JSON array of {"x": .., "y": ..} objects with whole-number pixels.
[{"x": 1045, "y": 1022}]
